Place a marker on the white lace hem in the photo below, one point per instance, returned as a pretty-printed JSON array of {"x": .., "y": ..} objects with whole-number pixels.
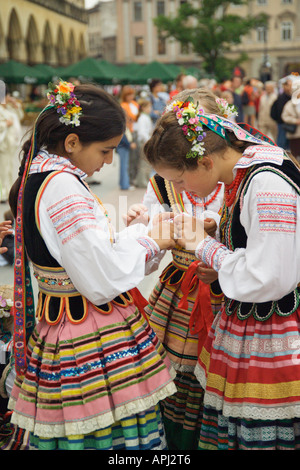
[
  {"x": 256, "y": 412},
  {"x": 200, "y": 375},
  {"x": 86, "y": 426}
]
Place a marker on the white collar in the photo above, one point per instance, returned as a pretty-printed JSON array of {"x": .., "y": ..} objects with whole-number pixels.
[
  {"x": 45, "y": 161},
  {"x": 260, "y": 154}
]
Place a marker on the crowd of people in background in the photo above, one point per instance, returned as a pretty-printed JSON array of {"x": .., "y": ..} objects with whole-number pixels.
[{"x": 266, "y": 106}]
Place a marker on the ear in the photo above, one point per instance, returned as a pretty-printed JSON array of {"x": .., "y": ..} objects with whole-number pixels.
[
  {"x": 71, "y": 143},
  {"x": 206, "y": 163}
]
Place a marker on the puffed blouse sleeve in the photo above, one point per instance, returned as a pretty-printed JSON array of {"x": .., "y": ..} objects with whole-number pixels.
[
  {"x": 269, "y": 267},
  {"x": 75, "y": 228}
]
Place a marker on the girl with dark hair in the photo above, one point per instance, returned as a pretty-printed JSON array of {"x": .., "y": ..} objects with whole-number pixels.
[
  {"x": 93, "y": 371},
  {"x": 249, "y": 363}
]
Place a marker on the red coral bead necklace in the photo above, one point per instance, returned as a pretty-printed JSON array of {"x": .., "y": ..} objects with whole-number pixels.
[
  {"x": 231, "y": 189},
  {"x": 204, "y": 203}
]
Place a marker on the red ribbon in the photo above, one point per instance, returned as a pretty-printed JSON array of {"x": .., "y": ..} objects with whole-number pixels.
[
  {"x": 202, "y": 314},
  {"x": 139, "y": 300}
]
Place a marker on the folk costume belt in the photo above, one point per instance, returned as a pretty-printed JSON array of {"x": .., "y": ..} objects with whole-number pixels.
[{"x": 57, "y": 294}]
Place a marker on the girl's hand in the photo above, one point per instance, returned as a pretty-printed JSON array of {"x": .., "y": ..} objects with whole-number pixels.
[
  {"x": 163, "y": 216},
  {"x": 163, "y": 231},
  {"x": 5, "y": 229},
  {"x": 206, "y": 274},
  {"x": 210, "y": 227},
  {"x": 137, "y": 214},
  {"x": 189, "y": 231}
]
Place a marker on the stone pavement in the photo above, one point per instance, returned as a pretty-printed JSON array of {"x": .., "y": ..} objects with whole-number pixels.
[{"x": 116, "y": 202}]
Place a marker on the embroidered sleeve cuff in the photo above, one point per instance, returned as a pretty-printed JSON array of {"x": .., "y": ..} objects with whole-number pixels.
[
  {"x": 150, "y": 245},
  {"x": 211, "y": 252}
]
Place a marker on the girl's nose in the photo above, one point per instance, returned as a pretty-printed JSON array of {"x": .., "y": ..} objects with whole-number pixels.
[{"x": 109, "y": 157}]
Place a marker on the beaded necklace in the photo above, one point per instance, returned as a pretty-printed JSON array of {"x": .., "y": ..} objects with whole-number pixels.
[
  {"x": 204, "y": 203},
  {"x": 231, "y": 189}
]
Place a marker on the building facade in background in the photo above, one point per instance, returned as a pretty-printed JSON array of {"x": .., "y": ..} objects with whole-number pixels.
[
  {"x": 138, "y": 39},
  {"x": 272, "y": 52},
  {"x": 102, "y": 31},
  {"x": 43, "y": 31}
]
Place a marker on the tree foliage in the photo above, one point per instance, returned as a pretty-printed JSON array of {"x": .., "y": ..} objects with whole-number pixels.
[{"x": 210, "y": 30}]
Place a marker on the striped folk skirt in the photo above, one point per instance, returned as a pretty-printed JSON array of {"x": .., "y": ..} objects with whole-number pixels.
[
  {"x": 250, "y": 371},
  {"x": 182, "y": 412},
  {"x": 94, "y": 385}
]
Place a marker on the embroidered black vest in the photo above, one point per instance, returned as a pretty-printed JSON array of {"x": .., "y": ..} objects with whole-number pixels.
[
  {"x": 54, "y": 296},
  {"x": 234, "y": 236}
]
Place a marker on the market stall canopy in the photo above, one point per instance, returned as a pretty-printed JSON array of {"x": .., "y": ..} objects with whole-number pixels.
[
  {"x": 88, "y": 69},
  {"x": 50, "y": 73},
  {"x": 154, "y": 70},
  {"x": 16, "y": 72},
  {"x": 129, "y": 71},
  {"x": 117, "y": 73}
]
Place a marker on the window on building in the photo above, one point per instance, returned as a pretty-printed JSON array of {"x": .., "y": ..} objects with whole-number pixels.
[
  {"x": 261, "y": 2},
  {"x": 286, "y": 2},
  {"x": 161, "y": 46},
  {"x": 185, "y": 49},
  {"x": 262, "y": 34},
  {"x": 139, "y": 45},
  {"x": 286, "y": 30},
  {"x": 160, "y": 8},
  {"x": 137, "y": 11}
]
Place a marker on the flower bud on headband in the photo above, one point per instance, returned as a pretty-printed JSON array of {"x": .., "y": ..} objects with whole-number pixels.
[
  {"x": 227, "y": 110},
  {"x": 62, "y": 97}
]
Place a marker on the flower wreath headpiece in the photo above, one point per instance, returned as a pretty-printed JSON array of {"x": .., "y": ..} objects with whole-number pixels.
[
  {"x": 193, "y": 120},
  {"x": 63, "y": 98}
]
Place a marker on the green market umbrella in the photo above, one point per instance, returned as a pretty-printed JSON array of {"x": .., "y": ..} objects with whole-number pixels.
[
  {"x": 49, "y": 72},
  {"x": 154, "y": 70},
  {"x": 129, "y": 71},
  {"x": 88, "y": 69},
  {"x": 17, "y": 72},
  {"x": 117, "y": 74}
]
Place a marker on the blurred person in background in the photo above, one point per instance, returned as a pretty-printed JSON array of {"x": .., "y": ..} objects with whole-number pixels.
[
  {"x": 277, "y": 108},
  {"x": 189, "y": 82},
  {"x": 11, "y": 113},
  {"x": 291, "y": 116},
  {"x": 158, "y": 102},
  {"x": 123, "y": 150},
  {"x": 144, "y": 130},
  {"x": 178, "y": 84},
  {"x": 266, "y": 123},
  {"x": 248, "y": 102},
  {"x": 131, "y": 108}
]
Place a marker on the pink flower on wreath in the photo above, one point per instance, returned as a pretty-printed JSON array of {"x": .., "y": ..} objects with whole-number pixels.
[
  {"x": 194, "y": 120},
  {"x": 185, "y": 129},
  {"x": 2, "y": 302}
]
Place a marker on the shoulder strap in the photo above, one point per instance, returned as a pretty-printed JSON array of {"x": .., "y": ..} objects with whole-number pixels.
[
  {"x": 288, "y": 171},
  {"x": 166, "y": 194},
  {"x": 158, "y": 185}
]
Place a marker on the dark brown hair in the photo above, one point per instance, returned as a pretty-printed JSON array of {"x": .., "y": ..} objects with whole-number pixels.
[{"x": 102, "y": 119}]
